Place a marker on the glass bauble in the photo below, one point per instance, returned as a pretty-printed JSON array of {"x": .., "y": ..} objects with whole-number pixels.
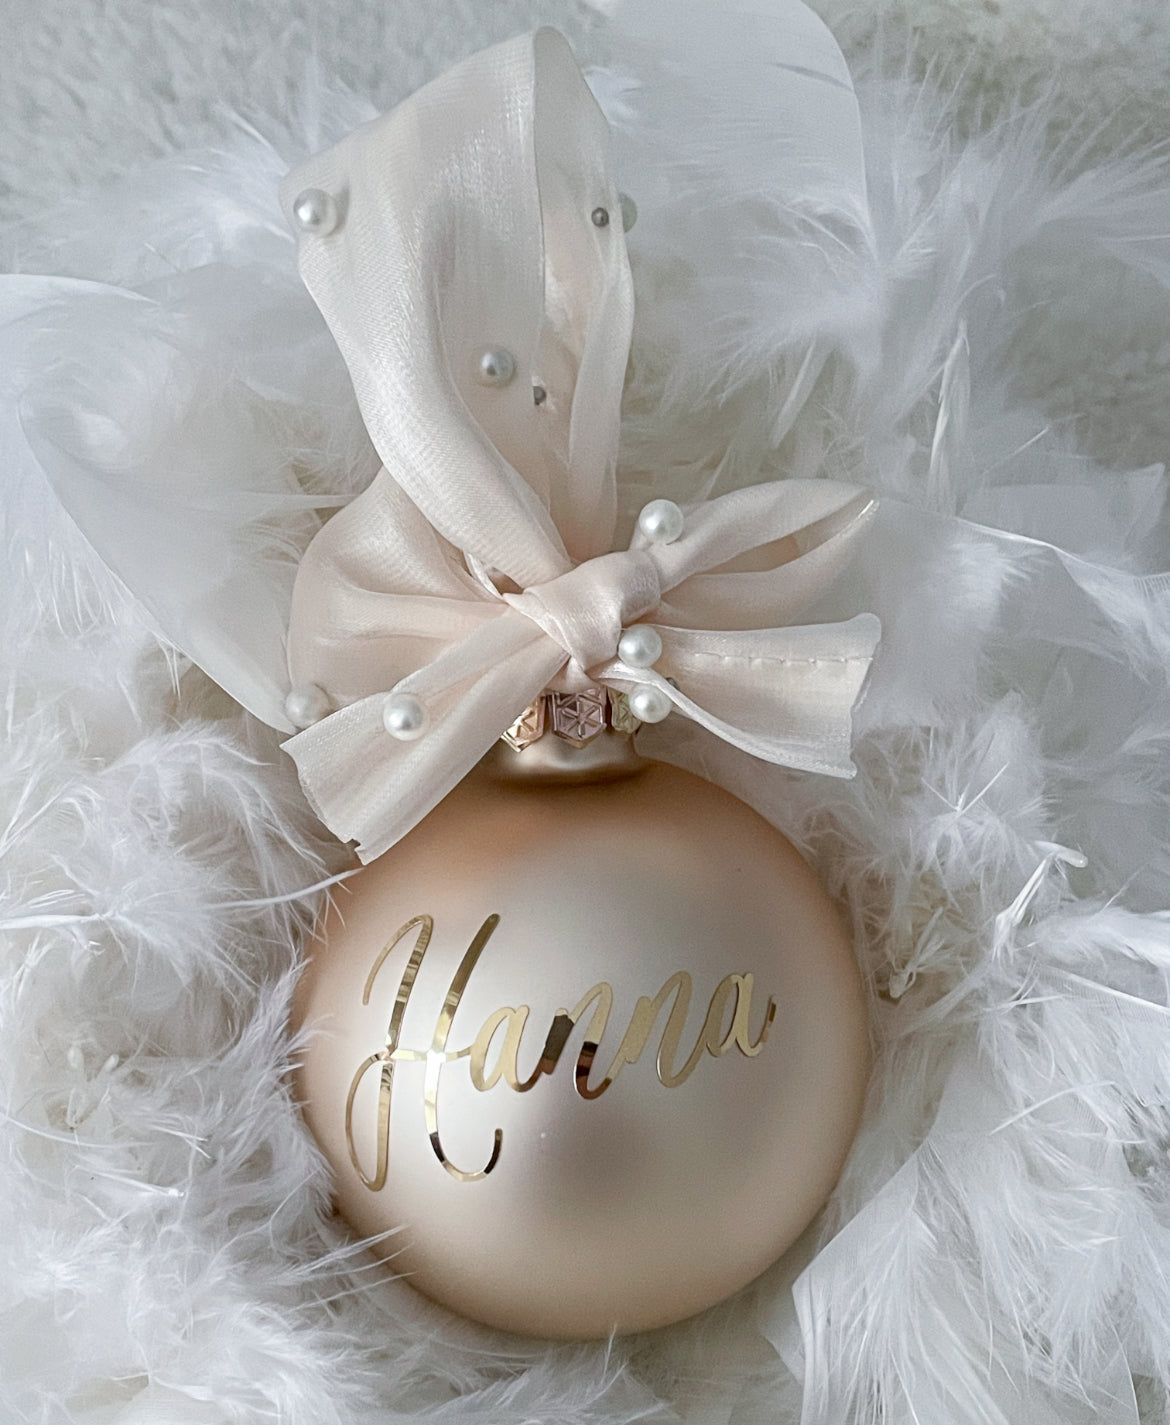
[{"x": 595, "y": 1052}]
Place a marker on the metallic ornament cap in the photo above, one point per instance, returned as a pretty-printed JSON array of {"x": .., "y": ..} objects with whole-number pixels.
[
  {"x": 531, "y": 749},
  {"x": 578, "y": 717},
  {"x": 528, "y": 727},
  {"x": 609, "y": 757},
  {"x": 621, "y": 715}
]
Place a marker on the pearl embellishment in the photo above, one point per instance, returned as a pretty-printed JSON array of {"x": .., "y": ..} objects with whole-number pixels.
[
  {"x": 640, "y": 646},
  {"x": 539, "y": 395},
  {"x": 661, "y": 521},
  {"x": 306, "y": 705},
  {"x": 649, "y": 703},
  {"x": 629, "y": 212},
  {"x": 495, "y": 366},
  {"x": 404, "y": 717},
  {"x": 316, "y": 211},
  {"x": 600, "y": 217}
]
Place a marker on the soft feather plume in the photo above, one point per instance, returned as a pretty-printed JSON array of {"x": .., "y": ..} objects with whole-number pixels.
[{"x": 996, "y": 1250}]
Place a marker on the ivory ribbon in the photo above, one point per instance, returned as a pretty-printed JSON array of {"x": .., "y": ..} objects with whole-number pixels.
[{"x": 477, "y": 569}]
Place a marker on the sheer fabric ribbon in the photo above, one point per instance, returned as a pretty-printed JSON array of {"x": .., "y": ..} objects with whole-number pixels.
[{"x": 478, "y": 568}]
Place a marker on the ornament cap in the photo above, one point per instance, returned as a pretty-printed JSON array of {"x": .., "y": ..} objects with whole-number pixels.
[
  {"x": 570, "y": 738},
  {"x": 608, "y": 757}
]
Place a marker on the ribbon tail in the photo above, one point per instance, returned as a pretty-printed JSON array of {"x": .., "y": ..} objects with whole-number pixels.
[
  {"x": 369, "y": 787},
  {"x": 757, "y": 557},
  {"x": 785, "y": 695}
]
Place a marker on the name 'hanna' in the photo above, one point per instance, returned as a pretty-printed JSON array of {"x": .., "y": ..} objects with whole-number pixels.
[{"x": 725, "y": 1027}]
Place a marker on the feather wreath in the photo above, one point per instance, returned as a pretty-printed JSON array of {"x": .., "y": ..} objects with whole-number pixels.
[{"x": 997, "y": 1249}]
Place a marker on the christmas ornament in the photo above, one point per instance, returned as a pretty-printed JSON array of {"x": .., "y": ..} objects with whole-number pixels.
[
  {"x": 597, "y": 1049},
  {"x": 584, "y": 1044},
  {"x": 589, "y": 1034}
]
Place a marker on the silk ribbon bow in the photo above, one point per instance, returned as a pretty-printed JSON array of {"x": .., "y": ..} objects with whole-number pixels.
[{"x": 462, "y": 251}]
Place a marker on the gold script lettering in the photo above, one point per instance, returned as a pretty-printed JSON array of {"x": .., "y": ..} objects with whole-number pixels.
[
  {"x": 387, "y": 1055},
  {"x": 505, "y": 1064},
  {"x": 733, "y": 992},
  {"x": 439, "y": 1055}
]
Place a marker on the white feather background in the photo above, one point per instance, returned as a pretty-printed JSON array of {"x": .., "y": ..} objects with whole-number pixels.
[{"x": 995, "y": 359}]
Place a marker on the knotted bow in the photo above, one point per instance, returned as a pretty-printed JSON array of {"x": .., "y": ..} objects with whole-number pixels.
[{"x": 467, "y": 253}]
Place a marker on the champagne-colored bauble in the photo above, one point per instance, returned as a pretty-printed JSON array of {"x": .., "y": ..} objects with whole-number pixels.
[{"x": 597, "y": 1051}]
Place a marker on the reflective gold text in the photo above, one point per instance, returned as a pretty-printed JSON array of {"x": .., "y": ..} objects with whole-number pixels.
[{"x": 494, "y": 1053}]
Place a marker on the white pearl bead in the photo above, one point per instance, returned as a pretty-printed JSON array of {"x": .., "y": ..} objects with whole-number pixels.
[
  {"x": 316, "y": 211},
  {"x": 661, "y": 521},
  {"x": 600, "y": 217},
  {"x": 649, "y": 703},
  {"x": 306, "y": 705},
  {"x": 640, "y": 646},
  {"x": 404, "y": 717},
  {"x": 629, "y": 212},
  {"x": 494, "y": 366}
]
